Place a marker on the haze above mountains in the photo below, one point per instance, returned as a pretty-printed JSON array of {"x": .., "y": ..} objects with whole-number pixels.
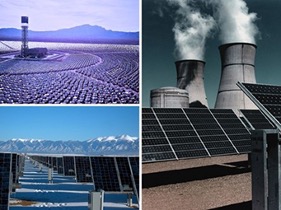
[
  {"x": 110, "y": 145},
  {"x": 79, "y": 34}
]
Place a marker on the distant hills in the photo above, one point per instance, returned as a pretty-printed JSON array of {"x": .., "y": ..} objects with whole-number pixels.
[
  {"x": 110, "y": 145},
  {"x": 79, "y": 34}
]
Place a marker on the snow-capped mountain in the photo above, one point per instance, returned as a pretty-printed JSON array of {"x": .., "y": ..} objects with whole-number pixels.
[{"x": 110, "y": 145}]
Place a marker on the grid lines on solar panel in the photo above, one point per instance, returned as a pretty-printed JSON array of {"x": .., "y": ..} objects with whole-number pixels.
[
  {"x": 5, "y": 170},
  {"x": 83, "y": 169},
  {"x": 134, "y": 161},
  {"x": 180, "y": 133},
  {"x": 210, "y": 132},
  {"x": 155, "y": 145},
  {"x": 105, "y": 174},
  {"x": 269, "y": 96},
  {"x": 257, "y": 119},
  {"x": 60, "y": 165},
  {"x": 14, "y": 167},
  {"x": 68, "y": 164},
  {"x": 125, "y": 173},
  {"x": 234, "y": 128}
]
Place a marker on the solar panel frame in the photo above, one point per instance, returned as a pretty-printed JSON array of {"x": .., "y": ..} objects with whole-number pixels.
[
  {"x": 5, "y": 177},
  {"x": 105, "y": 176}
]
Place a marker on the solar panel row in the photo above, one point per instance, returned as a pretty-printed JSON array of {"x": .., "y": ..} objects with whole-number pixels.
[
  {"x": 106, "y": 173},
  {"x": 175, "y": 133}
]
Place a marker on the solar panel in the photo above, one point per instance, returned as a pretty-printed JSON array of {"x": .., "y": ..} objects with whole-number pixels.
[
  {"x": 83, "y": 169},
  {"x": 134, "y": 161},
  {"x": 210, "y": 132},
  {"x": 256, "y": 119},
  {"x": 155, "y": 144},
  {"x": 14, "y": 167},
  {"x": 234, "y": 129},
  {"x": 191, "y": 133},
  {"x": 105, "y": 174},
  {"x": 68, "y": 164},
  {"x": 5, "y": 173},
  {"x": 54, "y": 163},
  {"x": 125, "y": 173},
  {"x": 180, "y": 133},
  {"x": 60, "y": 165},
  {"x": 267, "y": 98}
]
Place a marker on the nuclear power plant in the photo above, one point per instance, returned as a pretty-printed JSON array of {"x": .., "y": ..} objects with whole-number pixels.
[{"x": 237, "y": 64}]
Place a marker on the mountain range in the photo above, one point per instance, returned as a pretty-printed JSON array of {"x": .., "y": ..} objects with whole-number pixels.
[
  {"x": 79, "y": 34},
  {"x": 110, "y": 145}
]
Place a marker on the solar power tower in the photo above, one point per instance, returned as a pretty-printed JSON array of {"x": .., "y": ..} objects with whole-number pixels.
[
  {"x": 5, "y": 179},
  {"x": 24, "y": 39},
  {"x": 181, "y": 133}
]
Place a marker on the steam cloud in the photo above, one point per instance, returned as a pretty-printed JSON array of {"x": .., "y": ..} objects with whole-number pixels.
[
  {"x": 191, "y": 30},
  {"x": 235, "y": 22}
]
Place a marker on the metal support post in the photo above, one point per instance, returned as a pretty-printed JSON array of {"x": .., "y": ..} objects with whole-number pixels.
[
  {"x": 130, "y": 199},
  {"x": 273, "y": 150},
  {"x": 95, "y": 200},
  {"x": 259, "y": 171},
  {"x": 50, "y": 175}
]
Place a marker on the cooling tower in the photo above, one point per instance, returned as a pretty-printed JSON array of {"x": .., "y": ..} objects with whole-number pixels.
[
  {"x": 238, "y": 64},
  {"x": 190, "y": 76},
  {"x": 169, "y": 97}
]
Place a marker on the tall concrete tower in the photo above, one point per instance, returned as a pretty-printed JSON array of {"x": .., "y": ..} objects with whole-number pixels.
[
  {"x": 190, "y": 76},
  {"x": 24, "y": 38},
  {"x": 238, "y": 64}
]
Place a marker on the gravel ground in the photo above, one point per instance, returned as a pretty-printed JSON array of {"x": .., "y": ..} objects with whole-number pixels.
[{"x": 205, "y": 183}]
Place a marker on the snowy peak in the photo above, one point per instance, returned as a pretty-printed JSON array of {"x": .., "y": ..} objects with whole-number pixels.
[{"x": 110, "y": 145}]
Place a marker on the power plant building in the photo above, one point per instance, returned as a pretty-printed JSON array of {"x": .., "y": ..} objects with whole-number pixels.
[
  {"x": 169, "y": 97},
  {"x": 238, "y": 64}
]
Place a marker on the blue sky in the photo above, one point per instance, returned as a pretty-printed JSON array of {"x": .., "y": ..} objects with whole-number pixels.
[
  {"x": 67, "y": 123},
  {"x": 119, "y": 15}
]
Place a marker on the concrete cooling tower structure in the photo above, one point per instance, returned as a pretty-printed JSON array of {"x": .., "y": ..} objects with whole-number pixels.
[
  {"x": 190, "y": 76},
  {"x": 238, "y": 64}
]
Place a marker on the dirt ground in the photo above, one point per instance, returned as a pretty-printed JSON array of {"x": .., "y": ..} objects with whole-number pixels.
[{"x": 206, "y": 183}]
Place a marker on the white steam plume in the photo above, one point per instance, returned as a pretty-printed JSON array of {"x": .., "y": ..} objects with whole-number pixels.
[
  {"x": 191, "y": 30},
  {"x": 235, "y": 22}
]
